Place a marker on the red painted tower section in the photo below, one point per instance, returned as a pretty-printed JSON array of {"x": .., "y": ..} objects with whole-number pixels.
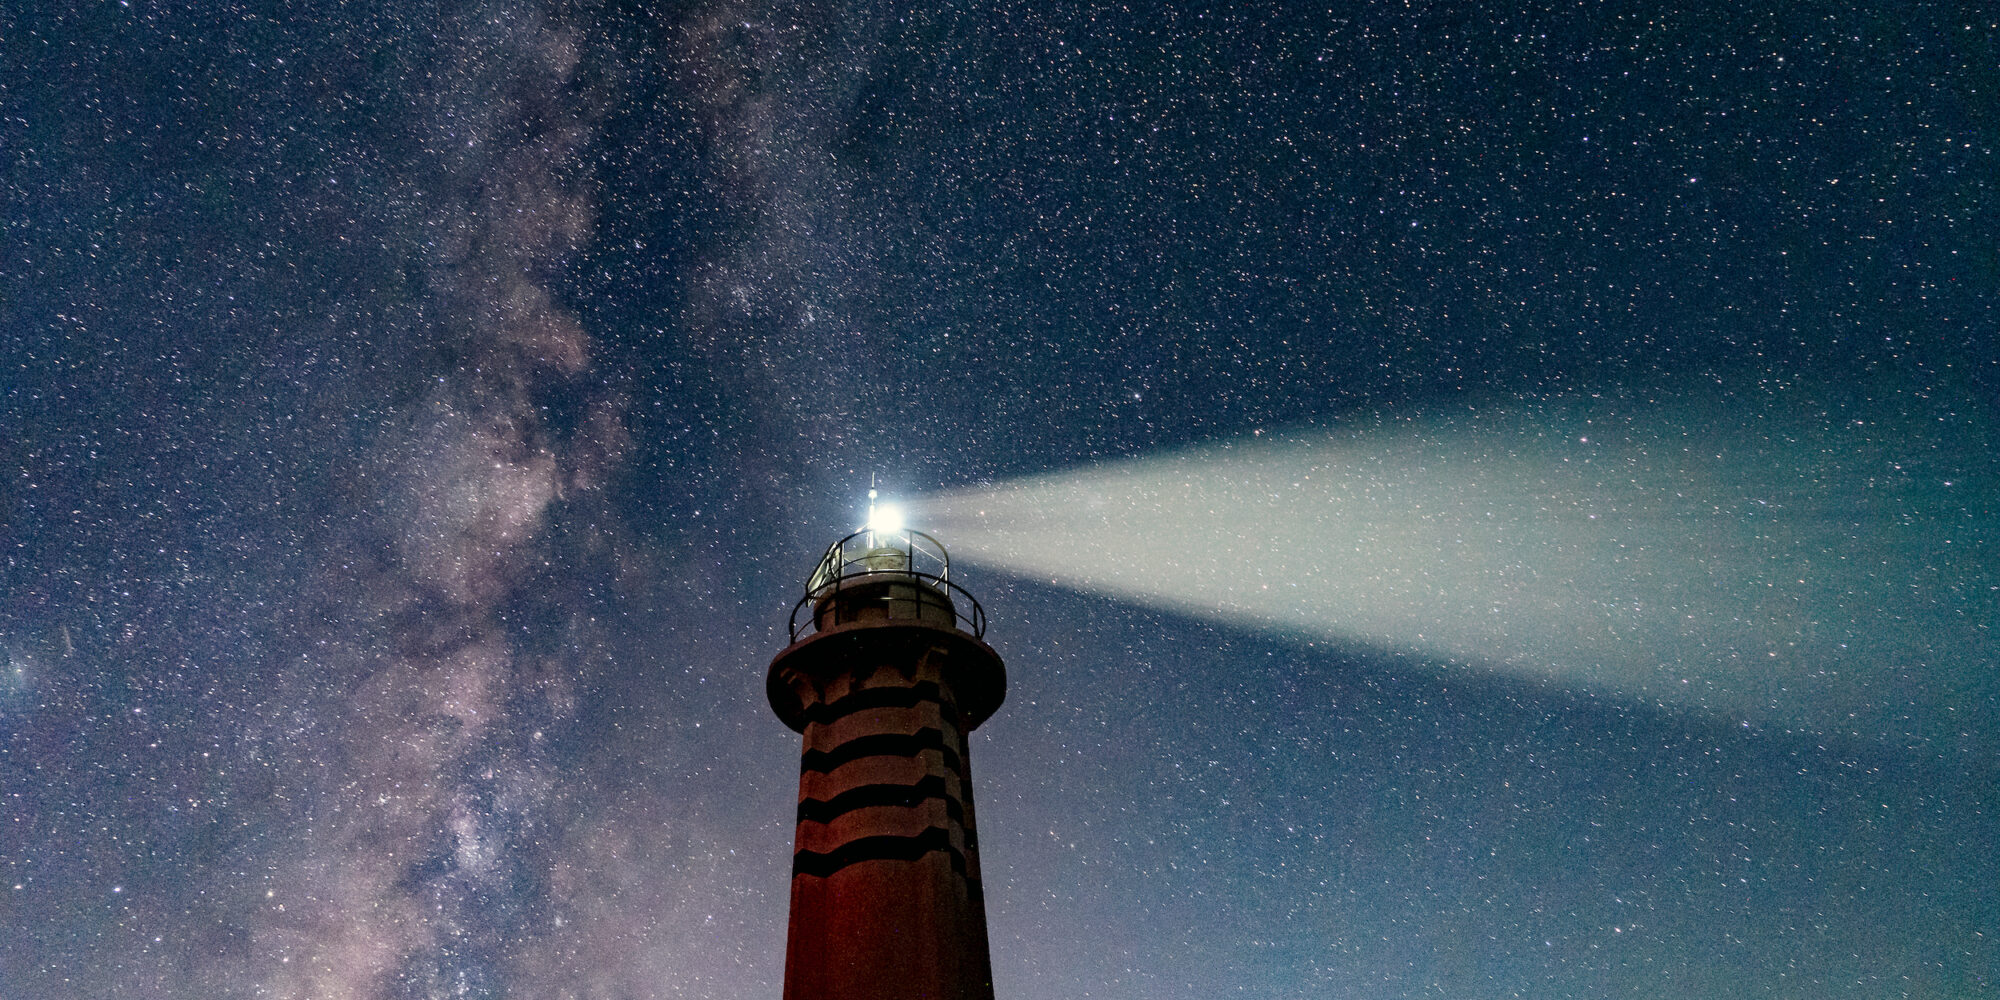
[{"x": 885, "y": 677}]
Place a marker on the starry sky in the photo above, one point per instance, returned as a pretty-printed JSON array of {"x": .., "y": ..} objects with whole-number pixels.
[{"x": 417, "y": 421}]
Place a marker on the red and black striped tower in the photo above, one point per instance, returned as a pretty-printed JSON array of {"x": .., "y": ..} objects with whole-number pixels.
[{"x": 886, "y": 676}]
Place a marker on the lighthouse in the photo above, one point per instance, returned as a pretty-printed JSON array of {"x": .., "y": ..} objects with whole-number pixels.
[{"x": 886, "y": 676}]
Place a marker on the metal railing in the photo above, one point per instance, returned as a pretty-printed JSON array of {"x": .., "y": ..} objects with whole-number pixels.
[
  {"x": 873, "y": 558},
  {"x": 870, "y": 551}
]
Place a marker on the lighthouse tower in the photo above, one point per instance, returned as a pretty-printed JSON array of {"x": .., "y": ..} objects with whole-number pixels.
[{"x": 885, "y": 676}]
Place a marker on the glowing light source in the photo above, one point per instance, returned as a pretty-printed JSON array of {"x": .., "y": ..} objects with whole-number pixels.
[{"x": 886, "y": 519}]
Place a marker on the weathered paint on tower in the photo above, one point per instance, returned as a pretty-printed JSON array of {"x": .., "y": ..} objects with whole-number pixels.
[{"x": 886, "y": 679}]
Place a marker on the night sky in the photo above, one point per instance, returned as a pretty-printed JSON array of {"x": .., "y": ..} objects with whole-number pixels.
[{"x": 417, "y": 421}]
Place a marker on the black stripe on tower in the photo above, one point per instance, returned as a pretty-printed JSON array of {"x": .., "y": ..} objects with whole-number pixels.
[
  {"x": 878, "y": 849},
  {"x": 880, "y": 697},
  {"x": 931, "y": 787},
  {"x": 881, "y": 745}
]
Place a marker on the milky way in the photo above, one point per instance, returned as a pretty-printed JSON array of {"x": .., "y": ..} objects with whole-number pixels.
[
  {"x": 416, "y": 421},
  {"x": 409, "y": 719},
  {"x": 428, "y": 864}
]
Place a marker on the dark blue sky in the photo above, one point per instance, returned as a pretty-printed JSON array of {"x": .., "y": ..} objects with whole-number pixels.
[{"x": 419, "y": 419}]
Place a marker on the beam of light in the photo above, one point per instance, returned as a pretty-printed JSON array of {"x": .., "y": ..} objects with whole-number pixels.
[{"x": 1784, "y": 562}]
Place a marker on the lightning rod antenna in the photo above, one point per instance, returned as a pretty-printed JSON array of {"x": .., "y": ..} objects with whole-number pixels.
[{"x": 870, "y": 523}]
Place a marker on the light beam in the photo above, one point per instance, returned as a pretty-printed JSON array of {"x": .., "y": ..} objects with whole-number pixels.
[{"x": 1774, "y": 559}]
